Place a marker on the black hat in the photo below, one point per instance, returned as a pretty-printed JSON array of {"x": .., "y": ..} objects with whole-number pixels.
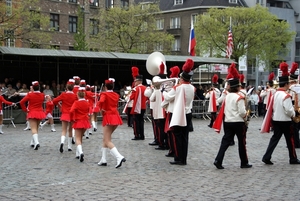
[
  {"x": 233, "y": 77},
  {"x": 139, "y": 78},
  {"x": 187, "y": 72},
  {"x": 284, "y": 78}
]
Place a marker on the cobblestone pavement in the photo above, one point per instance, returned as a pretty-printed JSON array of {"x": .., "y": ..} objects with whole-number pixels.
[{"x": 47, "y": 174}]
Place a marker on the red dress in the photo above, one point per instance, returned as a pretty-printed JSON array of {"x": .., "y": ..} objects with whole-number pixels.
[
  {"x": 67, "y": 99},
  {"x": 80, "y": 114},
  {"x": 35, "y": 105},
  {"x": 109, "y": 104},
  {"x": 49, "y": 107}
]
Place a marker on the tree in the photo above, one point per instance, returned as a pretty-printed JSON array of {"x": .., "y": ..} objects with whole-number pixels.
[
  {"x": 22, "y": 20},
  {"x": 131, "y": 30},
  {"x": 256, "y": 32},
  {"x": 79, "y": 37}
]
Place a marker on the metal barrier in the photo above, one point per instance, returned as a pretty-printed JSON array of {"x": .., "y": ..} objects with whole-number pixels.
[
  {"x": 7, "y": 114},
  {"x": 200, "y": 108}
]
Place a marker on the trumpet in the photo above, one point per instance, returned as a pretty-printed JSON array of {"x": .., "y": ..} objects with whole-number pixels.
[{"x": 165, "y": 84}]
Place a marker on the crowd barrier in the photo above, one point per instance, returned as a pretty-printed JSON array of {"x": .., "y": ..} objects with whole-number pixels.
[{"x": 199, "y": 111}]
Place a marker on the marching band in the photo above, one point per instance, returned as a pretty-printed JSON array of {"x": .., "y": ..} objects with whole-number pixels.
[{"x": 170, "y": 101}]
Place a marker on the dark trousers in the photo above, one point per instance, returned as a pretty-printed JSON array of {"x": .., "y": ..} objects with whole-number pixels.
[
  {"x": 153, "y": 127},
  {"x": 160, "y": 133},
  {"x": 213, "y": 116},
  {"x": 285, "y": 128},
  {"x": 296, "y": 134},
  {"x": 138, "y": 125},
  {"x": 170, "y": 135},
  {"x": 129, "y": 117},
  {"x": 230, "y": 130},
  {"x": 181, "y": 134}
]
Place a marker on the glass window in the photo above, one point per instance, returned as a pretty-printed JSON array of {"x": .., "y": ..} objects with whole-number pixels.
[
  {"x": 72, "y": 24},
  {"x": 175, "y": 23},
  {"x": 73, "y": 1},
  {"x": 54, "y": 22},
  {"x": 9, "y": 38},
  {"x": 94, "y": 25},
  {"x": 124, "y": 3},
  {"x": 109, "y": 3},
  {"x": 176, "y": 45},
  {"x": 158, "y": 46},
  {"x": 194, "y": 18},
  {"x": 8, "y": 7},
  {"x": 94, "y": 3},
  {"x": 176, "y": 2},
  {"x": 232, "y": 1},
  {"x": 36, "y": 20},
  {"x": 160, "y": 24}
]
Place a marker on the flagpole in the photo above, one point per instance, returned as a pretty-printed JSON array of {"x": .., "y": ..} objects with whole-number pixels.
[{"x": 231, "y": 30}]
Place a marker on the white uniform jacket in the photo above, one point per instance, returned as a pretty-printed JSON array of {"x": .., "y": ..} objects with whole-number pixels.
[
  {"x": 283, "y": 108},
  {"x": 235, "y": 110}
]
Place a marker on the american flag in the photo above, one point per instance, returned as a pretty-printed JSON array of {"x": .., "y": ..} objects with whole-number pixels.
[{"x": 229, "y": 47}]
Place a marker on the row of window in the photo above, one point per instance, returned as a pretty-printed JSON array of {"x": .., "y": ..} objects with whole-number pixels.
[
  {"x": 179, "y": 2},
  {"x": 175, "y": 22}
]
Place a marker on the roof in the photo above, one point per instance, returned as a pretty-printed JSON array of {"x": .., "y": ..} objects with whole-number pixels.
[
  {"x": 168, "y": 5},
  {"x": 107, "y": 55}
]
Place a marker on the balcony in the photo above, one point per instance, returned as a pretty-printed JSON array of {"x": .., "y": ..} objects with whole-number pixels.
[{"x": 174, "y": 29}]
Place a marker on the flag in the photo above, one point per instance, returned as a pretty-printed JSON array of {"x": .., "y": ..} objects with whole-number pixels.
[
  {"x": 192, "y": 42},
  {"x": 229, "y": 47}
]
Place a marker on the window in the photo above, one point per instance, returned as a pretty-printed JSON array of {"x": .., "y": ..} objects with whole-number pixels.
[
  {"x": 232, "y": 1},
  {"x": 35, "y": 23},
  {"x": 54, "y": 22},
  {"x": 177, "y": 2},
  {"x": 71, "y": 48},
  {"x": 56, "y": 47},
  {"x": 145, "y": 6},
  {"x": 94, "y": 3},
  {"x": 176, "y": 45},
  {"x": 73, "y": 1},
  {"x": 109, "y": 3},
  {"x": 94, "y": 26},
  {"x": 142, "y": 47},
  {"x": 297, "y": 49},
  {"x": 194, "y": 18},
  {"x": 72, "y": 24},
  {"x": 160, "y": 24},
  {"x": 8, "y": 7},
  {"x": 9, "y": 38},
  {"x": 158, "y": 46},
  {"x": 175, "y": 23},
  {"x": 144, "y": 26},
  {"x": 124, "y": 3}
]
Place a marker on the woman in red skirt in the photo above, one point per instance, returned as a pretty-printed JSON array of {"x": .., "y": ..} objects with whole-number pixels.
[
  {"x": 65, "y": 100},
  {"x": 35, "y": 112},
  {"x": 108, "y": 105},
  {"x": 2, "y": 100},
  {"x": 80, "y": 116}
]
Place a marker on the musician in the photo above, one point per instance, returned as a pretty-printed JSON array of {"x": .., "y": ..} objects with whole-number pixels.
[
  {"x": 95, "y": 108},
  {"x": 213, "y": 94},
  {"x": 138, "y": 108},
  {"x": 108, "y": 105},
  {"x": 268, "y": 92},
  {"x": 34, "y": 111},
  {"x": 294, "y": 88},
  {"x": 183, "y": 95},
  {"x": 148, "y": 92},
  {"x": 168, "y": 104},
  {"x": 280, "y": 112},
  {"x": 90, "y": 97},
  {"x": 79, "y": 115},
  {"x": 233, "y": 111},
  {"x": 2, "y": 100},
  {"x": 65, "y": 100}
]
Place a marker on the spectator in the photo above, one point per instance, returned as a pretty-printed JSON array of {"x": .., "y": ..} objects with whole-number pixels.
[{"x": 48, "y": 91}]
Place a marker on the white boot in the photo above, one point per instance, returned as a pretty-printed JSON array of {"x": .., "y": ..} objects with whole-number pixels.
[
  {"x": 94, "y": 126},
  {"x": 43, "y": 124},
  {"x": 52, "y": 128},
  {"x": 69, "y": 143},
  {"x": 1, "y": 132},
  {"x": 27, "y": 126},
  {"x": 87, "y": 135},
  {"x": 62, "y": 142},
  {"x": 77, "y": 153},
  {"x": 90, "y": 131},
  {"x": 36, "y": 141},
  {"x": 73, "y": 136},
  {"x": 103, "y": 162},
  {"x": 32, "y": 142},
  {"x": 79, "y": 147},
  {"x": 118, "y": 156}
]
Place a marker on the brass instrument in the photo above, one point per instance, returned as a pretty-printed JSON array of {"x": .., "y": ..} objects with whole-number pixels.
[
  {"x": 16, "y": 93},
  {"x": 248, "y": 109},
  {"x": 296, "y": 118}
]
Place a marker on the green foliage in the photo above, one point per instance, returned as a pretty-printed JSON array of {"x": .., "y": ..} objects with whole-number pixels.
[
  {"x": 131, "y": 30},
  {"x": 79, "y": 37},
  {"x": 255, "y": 32},
  {"x": 24, "y": 22}
]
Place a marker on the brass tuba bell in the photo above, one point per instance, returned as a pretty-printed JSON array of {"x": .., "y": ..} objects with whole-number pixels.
[{"x": 153, "y": 62}]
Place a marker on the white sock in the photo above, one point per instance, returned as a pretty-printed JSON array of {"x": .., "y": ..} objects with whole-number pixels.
[
  {"x": 69, "y": 142},
  {"x": 94, "y": 124},
  {"x": 79, "y": 147},
  {"x": 62, "y": 139},
  {"x": 35, "y": 138}
]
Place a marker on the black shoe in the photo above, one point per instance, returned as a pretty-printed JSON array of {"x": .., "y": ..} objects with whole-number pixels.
[
  {"x": 95, "y": 129},
  {"x": 69, "y": 149},
  {"x": 154, "y": 143},
  {"x": 81, "y": 157},
  {"x": 169, "y": 155},
  {"x": 36, "y": 147},
  {"x": 160, "y": 148},
  {"x": 268, "y": 162},
  {"x": 177, "y": 163},
  {"x": 209, "y": 126},
  {"x": 73, "y": 141},
  {"x": 87, "y": 137},
  {"x": 246, "y": 166},
  {"x": 295, "y": 162},
  {"x": 32, "y": 145},
  {"x": 218, "y": 165},
  {"x": 61, "y": 149},
  {"x": 136, "y": 138},
  {"x": 120, "y": 164},
  {"x": 77, "y": 157}
]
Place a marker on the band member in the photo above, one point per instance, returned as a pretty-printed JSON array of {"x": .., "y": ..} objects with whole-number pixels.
[
  {"x": 213, "y": 94},
  {"x": 89, "y": 96},
  {"x": 169, "y": 107},
  {"x": 280, "y": 112},
  {"x": 183, "y": 95},
  {"x": 233, "y": 111},
  {"x": 77, "y": 84},
  {"x": 108, "y": 105},
  {"x": 48, "y": 112},
  {"x": 95, "y": 108},
  {"x": 138, "y": 108},
  {"x": 65, "y": 100},
  {"x": 79, "y": 115},
  {"x": 34, "y": 111},
  {"x": 2, "y": 100},
  {"x": 267, "y": 93},
  {"x": 295, "y": 93}
]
